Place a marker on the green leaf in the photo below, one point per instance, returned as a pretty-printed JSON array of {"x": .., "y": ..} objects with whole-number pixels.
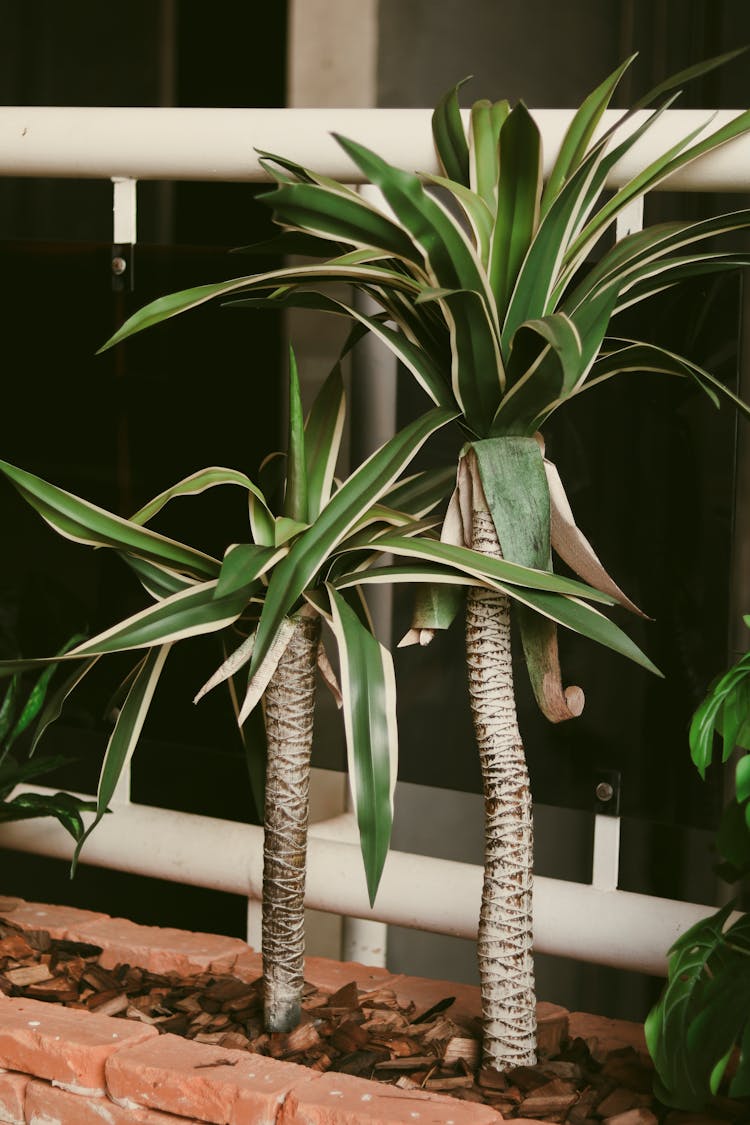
[
  {"x": 517, "y": 204},
  {"x": 165, "y": 307},
  {"x": 189, "y": 613},
  {"x": 314, "y": 547},
  {"x": 83, "y": 522},
  {"x": 125, "y": 736},
  {"x": 286, "y": 529},
  {"x": 8, "y": 711},
  {"x": 295, "y": 494},
  {"x": 681, "y": 1082},
  {"x": 486, "y": 122},
  {"x": 158, "y": 581},
  {"x": 676, "y": 81},
  {"x": 323, "y": 430},
  {"x": 414, "y": 356},
  {"x": 66, "y": 808},
  {"x": 659, "y": 170},
  {"x": 515, "y": 486},
  {"x": 544, "y": 366},
  {"x": 436, "y": 606},
  {"x": 474, "y": 208},
  {"x": 484, "y": 569},
  {"x": 742, "y": 778},
  {"x": 452, "y": 264},
  {"x": 450, "y": 138},
  {"x": 323, "y": 211},
  {"x": 369, "y": 693},
  {"x": 35, "y": 698},
  {"x": 243, "y": 564},
  {"x": 579, "y": 133},
  {"x": 193, "y": 485},
  {"x": 420, "y": 493},
  {"x": 56, "y": 701},
  {"x": 531, "y": 588}
]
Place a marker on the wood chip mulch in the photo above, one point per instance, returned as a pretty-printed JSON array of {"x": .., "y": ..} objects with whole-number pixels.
[{"x": 367, "y": 1034}]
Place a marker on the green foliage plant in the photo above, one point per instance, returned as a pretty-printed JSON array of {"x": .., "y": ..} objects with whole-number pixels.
[
  {"x": 21, "y": 713},
  {"x": 487, "y": 296},
  {"x": 702, "y": 1019}
]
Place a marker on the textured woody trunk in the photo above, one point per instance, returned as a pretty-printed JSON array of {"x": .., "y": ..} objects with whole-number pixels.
[
  {"x": 506, "y": 965},
  {"x": 290, "y": 702}
]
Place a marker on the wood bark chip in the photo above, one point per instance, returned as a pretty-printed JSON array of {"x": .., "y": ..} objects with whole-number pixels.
[{"x": 367, "y": 1034}]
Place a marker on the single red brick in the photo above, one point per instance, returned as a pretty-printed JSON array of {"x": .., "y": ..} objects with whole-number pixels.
[
  {"x": 46, "y": 1104},
  {"x": 339, "y": 1099},
  {"x": 424, "y": 992},
  {"x": 159, "y": 949},
  {"x": 248, "y": 966},
  {"x": 66, "y": 1045},
  {"x": 58, "y": 920},
  {"x": 12, "y": 1096},
  {"x": 197, "y": 1080},
  {"x": 332, "y": 975},
  {"x": 604, "y": 1035}
]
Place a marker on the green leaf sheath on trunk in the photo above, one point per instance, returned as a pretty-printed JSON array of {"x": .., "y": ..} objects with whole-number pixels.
[{"x": 290, "y": 703}]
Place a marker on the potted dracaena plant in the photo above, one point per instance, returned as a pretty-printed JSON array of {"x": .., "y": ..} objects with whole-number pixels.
[
  {"x": 266, "y": 600},
  {"x": 702, "y": 1018},
  {"x": 481, "y": 279}
]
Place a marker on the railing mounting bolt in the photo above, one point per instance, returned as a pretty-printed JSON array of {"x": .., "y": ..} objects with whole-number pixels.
[
  {"x": 119, "y": 265},
  {"x": 604, "y": 791}
]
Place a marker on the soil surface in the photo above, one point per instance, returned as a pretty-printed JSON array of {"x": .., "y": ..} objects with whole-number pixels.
[{"x": 368, "y": 1034}]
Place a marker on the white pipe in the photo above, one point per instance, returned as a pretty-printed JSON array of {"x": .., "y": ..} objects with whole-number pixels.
[
  {"x": 177, "y": 143},
  {"x": 617, "y": 928},
  {"x": 605, "y": 869}
]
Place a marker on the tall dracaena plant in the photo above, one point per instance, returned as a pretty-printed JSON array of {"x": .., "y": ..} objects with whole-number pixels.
[
  {"x": 266, "y": 600},
  {"x": 486, "y": 296}
]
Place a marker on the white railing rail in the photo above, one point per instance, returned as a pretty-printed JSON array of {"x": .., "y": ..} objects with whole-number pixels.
[
  {"x": 220, "y": 144},
  {"x": 597, "y": 922}
]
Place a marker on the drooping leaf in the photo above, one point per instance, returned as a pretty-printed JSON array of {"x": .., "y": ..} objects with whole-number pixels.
[
  {"x": 63, "y": 806},
  {"x": 83, "y": 522},
  {"x": 369, "y": 697},
  {"x": 125, "y": 735},
  {"x": 195, "y": 484}
]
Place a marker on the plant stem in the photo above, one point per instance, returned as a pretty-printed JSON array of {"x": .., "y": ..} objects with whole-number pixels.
[
  {"x": 290, "y": 702},
  {"x": 504, "y": 947}
]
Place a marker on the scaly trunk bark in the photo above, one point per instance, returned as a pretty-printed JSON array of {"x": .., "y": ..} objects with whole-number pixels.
[
  {"x": 290, "y": 702},
  {"x": 506, "y": 965}
]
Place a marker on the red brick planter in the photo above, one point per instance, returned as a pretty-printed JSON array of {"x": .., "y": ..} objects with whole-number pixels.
[{"x": 63, "y": 1066}]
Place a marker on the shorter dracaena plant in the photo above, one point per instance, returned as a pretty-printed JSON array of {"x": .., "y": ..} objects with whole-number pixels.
[
  {"x": 24, "y": 713},
  {"x": 703, "y": 1016}
]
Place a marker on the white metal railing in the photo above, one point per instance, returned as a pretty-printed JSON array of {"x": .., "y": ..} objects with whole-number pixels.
[
  {"x": 220, "y": 144},
  {"x": 596, "y": 922}
]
